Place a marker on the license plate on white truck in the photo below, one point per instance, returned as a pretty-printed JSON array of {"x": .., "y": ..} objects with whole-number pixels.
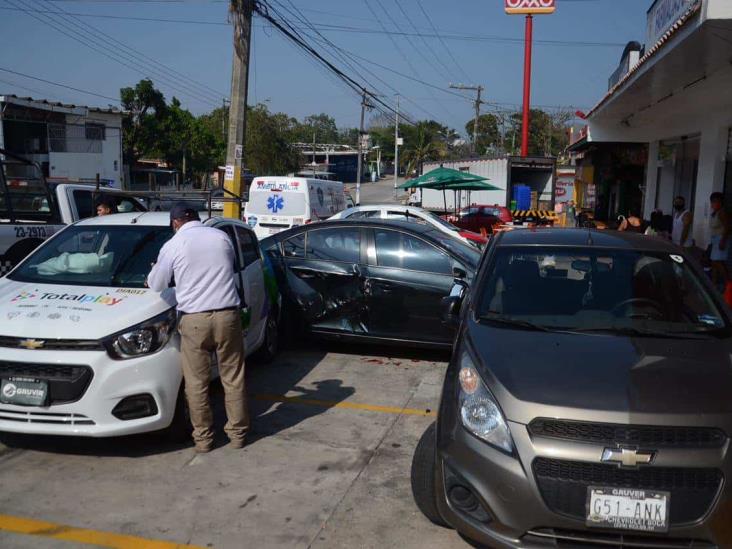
[{"x": 628, "y": 509}]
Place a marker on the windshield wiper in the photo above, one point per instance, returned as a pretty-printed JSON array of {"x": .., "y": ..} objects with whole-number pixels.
[
  {"x": 641, "y": 332},
  {"x": 515, "y": 323}
]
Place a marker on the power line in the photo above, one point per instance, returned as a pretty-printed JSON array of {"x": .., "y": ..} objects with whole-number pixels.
[
  {"x": 195, "y": 86},
  {"x": 347, "y": 57},
  {"x": 262, "y": 8},
  {"x": 444, "y": 35},
  {"x": 87, "y": 92},
  {"x": 121, "y": 58},
  {"x": 454, "y": 60}
]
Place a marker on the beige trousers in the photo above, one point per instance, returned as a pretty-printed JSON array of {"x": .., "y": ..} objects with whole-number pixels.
[{"x": 200, "y": 335}]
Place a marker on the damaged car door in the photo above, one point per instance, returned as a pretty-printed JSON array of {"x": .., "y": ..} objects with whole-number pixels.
[
  {"x": 323, "y": 271},
  {"x": 407, "y": 279}
]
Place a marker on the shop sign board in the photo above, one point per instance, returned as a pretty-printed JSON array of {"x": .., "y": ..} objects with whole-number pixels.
[
  {"x": 564, "y": 190},
  {"x": 530, "y": 7},
  {"x": 662, "y": 15}
]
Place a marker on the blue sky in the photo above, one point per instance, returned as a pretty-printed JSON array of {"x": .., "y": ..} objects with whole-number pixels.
[{"x": 489, "y": 51}]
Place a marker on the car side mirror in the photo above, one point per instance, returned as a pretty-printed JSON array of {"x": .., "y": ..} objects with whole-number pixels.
[{"x": 451, "y": 309}]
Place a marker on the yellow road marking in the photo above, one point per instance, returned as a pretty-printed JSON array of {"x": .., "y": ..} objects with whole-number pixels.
[
  {"x": 46, "y": 529},
  {"x": 347, "y": 405}
]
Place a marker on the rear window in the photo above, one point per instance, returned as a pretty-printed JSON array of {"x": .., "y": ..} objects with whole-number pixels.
[
  {"x": 285, "y": 203},
  {"x": 23, "y": 194}
]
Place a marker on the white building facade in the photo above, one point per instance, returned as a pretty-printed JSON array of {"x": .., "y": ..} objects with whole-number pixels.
[
  {"x": 70, "y": 142},
  {"x": 677, "y": 98}
]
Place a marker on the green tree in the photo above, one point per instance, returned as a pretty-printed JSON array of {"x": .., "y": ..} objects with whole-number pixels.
[
  {"x": 269, "y": 151},
  {"x": 146, "y": 110},
  {"x": 547, "y": 132},
  {"x": 424, "y": 141},
  {"x": 488, "y": 134}
]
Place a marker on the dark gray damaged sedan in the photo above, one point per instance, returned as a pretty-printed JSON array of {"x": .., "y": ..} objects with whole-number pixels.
[{"x": 588, "y": 401}]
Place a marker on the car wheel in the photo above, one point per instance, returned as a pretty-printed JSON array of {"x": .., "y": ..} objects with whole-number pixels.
[
  {"x": 423, "y": 477},
  {"x": 180, "y": 429},
  {"x": 267, "y": 352}
]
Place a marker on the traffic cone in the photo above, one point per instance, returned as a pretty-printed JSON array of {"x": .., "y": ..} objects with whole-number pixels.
[{"x": 728, "y": 292}]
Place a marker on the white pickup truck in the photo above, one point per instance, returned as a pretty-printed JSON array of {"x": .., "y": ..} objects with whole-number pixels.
[{"x": 32, "y": 210}]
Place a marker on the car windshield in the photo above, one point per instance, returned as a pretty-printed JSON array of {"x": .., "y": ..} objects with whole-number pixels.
[
  {"x": 287, "y": 203},
  {"x": 598, "y": 290},
  {"x": 93, "y": 255}
]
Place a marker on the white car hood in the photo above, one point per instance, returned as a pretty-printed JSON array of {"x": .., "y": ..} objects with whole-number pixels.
[{"x": 51, "y": 311}]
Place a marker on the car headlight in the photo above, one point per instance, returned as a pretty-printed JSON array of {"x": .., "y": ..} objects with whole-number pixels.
[
  {"x": 143, "y": 339},
  {"x": 479, "y": 410}
]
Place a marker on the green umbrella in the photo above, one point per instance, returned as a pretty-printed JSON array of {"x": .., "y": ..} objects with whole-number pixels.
[{"x": 441, "y": 178}]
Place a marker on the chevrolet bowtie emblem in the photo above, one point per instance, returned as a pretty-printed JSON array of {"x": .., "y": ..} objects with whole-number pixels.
[
  {"x": 32, "y": 344},
  {"x": 626, "y": 457}
]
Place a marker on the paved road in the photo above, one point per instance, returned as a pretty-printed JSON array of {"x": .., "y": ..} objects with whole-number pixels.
[
  {"x": 381, "y": 192},
  {"x": 330, "y": 470}
]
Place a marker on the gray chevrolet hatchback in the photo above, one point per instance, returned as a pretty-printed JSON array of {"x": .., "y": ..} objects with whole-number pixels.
[{"x": 588, "y": 401}]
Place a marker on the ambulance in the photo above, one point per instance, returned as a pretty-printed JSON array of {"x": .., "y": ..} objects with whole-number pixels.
[{"x": 279, "y": 203}]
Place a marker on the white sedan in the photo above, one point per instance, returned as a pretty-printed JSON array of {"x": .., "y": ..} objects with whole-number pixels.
[
  {"x": 88, "y": 350},
  {"x": 411, "y": 213}
]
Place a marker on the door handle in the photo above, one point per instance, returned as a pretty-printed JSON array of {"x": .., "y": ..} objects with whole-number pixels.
[{"x": 355, "y": 269}]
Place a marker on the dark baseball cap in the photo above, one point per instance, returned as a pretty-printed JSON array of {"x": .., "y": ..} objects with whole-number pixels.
[{"x": 183, "y": 211}]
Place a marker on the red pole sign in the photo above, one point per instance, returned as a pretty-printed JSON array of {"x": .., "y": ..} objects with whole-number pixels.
[
  {"x": 527, "y": 85},
  {"x": 529, "y": 7}
]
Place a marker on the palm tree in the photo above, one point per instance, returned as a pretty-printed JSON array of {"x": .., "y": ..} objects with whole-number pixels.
[{"x": 427, "y": 146}]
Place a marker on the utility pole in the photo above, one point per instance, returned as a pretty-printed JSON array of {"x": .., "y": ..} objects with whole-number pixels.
[
  {"x": 396, "y": 148},
  {"x": 478, "y": 102},
  {"x": 240, "y": 14},
  {"x": 361, "y": 133}
]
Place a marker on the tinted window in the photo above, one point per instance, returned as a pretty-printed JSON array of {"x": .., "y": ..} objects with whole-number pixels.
[
  {"x": 341, "y": 244},
  {"x": 364, "y": 215},
  {"x": 295, "y": 246},
  {"x": 247, "y": 246},
  {"x": 403, "y": 251},
  {"x": 24, "y": 189},
  {"x": 84, "y": 204}
]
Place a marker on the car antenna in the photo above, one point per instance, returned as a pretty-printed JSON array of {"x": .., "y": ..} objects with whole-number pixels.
[{"x": 134, "y": 219}]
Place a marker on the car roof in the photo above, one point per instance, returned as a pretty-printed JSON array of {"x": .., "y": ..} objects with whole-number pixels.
[
  {"x": 150, "y": 219},
  {"x": 422, "y": 229},
  {"x": 585, "y": 238},
  {"x": 393, "y": 207}
]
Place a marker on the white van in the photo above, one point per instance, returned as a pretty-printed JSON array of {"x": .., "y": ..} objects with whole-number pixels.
[{"x": 278, "y": 203}]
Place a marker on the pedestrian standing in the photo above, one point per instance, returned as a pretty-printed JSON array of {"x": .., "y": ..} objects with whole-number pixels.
[
  {"x": 719, "y": 228},
  {"x": 682, "y": 219},
  {"x": 200, "y": 260}
]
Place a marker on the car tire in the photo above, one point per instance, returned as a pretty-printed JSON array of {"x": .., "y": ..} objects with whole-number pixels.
[
  {"x": 423, "y": 477},
  {"x": 267, "y": 352},
  {"x": 180, "y": 429}
]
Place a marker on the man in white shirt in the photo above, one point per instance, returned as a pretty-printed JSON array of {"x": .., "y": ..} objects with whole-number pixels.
[{"x": 199, "y": 260}]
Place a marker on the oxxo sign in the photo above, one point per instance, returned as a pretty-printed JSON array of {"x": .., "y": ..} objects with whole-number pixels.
[{"x": 530, "y": 6}]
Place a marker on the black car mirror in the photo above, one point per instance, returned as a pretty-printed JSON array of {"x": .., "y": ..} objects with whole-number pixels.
[
  {"x": 451, "y": 309},
  {"x": 459, "y": 273}
]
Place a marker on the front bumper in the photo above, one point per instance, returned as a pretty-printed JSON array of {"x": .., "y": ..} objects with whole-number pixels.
[
  {"x": 513, "y": 512},
  {"x": 158, "y": 375}
]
